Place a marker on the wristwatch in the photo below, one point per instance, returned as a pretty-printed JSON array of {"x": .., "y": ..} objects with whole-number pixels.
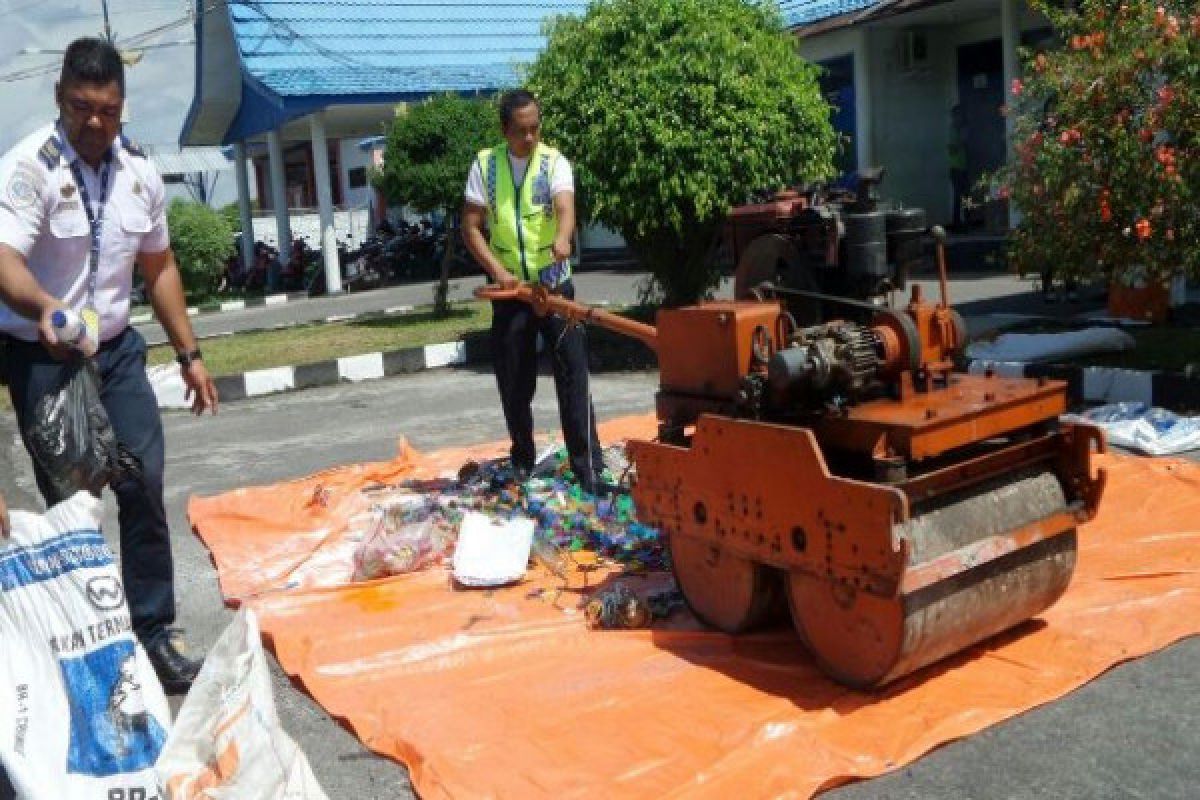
[{"x": 185, "y": 359}]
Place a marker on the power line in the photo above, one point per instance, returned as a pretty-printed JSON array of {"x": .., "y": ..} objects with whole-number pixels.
[
  {"x": 30, "y": 72},
  {"x": 138, "y": 41}
]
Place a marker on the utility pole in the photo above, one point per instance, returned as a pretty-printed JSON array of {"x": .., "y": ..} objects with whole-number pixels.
[{"x": 108, "y": 35}]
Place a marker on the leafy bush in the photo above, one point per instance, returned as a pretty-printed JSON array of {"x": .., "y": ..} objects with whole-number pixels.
[
  {"x": 202, "y": 240},
  {"x": 429, "y": 152},
  {"x": 673, "y": 111},
  {"x": 430, "y": 149},
  {"x": 1107, "y": 167},
  {"x": 234, "y": 217}
]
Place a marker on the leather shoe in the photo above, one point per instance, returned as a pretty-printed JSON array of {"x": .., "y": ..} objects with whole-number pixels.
[{"x": 175, "y": 670}]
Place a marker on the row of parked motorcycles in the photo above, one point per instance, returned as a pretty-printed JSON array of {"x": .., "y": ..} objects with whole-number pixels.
[{"x": 404, "y": 252}]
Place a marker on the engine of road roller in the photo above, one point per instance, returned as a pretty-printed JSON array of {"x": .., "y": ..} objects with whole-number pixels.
[{"x": 903, "y": 510}]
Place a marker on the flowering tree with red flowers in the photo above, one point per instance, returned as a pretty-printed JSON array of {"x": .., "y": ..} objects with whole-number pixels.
[{"x": 1106, "y": 166}]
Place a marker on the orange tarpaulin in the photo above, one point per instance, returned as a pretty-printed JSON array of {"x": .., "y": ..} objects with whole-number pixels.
[{"x": 505, "y": 693}]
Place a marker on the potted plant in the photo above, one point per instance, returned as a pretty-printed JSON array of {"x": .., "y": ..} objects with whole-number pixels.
[{"x": 1106, "y": 155}]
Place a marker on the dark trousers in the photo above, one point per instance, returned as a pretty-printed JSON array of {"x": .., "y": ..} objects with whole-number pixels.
[
  {"x": 146, "y": 567},
  {"x": 962, "y": 186},
  {"x": 514, "y": 354}
]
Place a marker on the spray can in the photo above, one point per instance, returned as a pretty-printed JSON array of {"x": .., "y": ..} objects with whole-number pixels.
[{"x": 72, "y": 330}]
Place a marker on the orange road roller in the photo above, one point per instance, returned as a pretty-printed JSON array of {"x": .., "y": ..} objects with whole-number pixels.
[{"x": 904, "y": 510}]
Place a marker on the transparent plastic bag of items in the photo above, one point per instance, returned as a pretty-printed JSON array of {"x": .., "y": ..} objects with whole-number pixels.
[
  {"x": 71, "y": 436},
  {"x": 406, "y": 534},
  {"x": 1137, "y": 426}
]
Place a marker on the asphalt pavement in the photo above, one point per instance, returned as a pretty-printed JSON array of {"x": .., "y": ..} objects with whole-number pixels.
[{"x": 1130, "y": 733}]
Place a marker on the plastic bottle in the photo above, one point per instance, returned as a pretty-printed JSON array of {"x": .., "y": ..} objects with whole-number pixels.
[{"x": 71, "y": 330}]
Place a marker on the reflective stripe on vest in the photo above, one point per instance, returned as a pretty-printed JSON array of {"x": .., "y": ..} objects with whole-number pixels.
[{"x": 521, "y": 220}]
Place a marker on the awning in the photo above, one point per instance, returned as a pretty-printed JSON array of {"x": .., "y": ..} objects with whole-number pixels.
[{"x": 174, "y": 160}]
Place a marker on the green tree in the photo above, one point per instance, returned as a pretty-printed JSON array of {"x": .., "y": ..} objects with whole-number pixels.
[
  {"x": 429, "y": 151},
  {"x": 1107, "y": 166},
  {"x": 673, "y": 111},
  {"x": 202, "y": 240},
  {"x": 233, "y": 215}
]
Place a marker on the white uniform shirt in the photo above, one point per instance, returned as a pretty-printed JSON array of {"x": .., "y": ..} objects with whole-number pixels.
[
  {"x": 561, "y": 178},
  {"x": 42, "y": 217}
]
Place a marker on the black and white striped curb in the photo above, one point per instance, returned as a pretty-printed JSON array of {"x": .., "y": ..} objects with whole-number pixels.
[
  {"x": 473, "y": 348},
  {"x": 1107, "y": 384},
  {"x": 231, "y": 305},
  {"x": 169, "y": 388}
]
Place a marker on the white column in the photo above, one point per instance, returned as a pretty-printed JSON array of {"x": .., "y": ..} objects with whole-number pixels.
[
  {"x": 1010, "y": 38},
  {"x": 283, "y": 226},
  {"x": 333, "y": 273},
  {"x": 863, "y": 149},
  {"x": 243, "y": 191}
]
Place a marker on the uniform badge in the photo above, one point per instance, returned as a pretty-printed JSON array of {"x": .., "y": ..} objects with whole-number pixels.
[
  {"x": 541, "y": 191},
  {"x": 91, "y": 320},
  {"x": 68, "y": 190},
  {"x": 23, "y": 188}
]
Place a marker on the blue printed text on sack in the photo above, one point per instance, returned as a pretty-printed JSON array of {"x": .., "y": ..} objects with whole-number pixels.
[
  {"x": 90, "y": 635},
  {"x": 22, "y": 566}
]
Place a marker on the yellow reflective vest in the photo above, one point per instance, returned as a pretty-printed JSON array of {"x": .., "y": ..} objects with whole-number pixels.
[{"x": 521, "y": 219}]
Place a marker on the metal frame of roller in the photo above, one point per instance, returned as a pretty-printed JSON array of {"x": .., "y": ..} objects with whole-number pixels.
[{"x": 882, "y": 579}]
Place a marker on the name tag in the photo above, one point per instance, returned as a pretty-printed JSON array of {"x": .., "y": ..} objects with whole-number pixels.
[{"x": 555, "y": 275}]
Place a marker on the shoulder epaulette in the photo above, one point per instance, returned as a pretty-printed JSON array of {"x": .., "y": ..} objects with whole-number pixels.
[
  {"x": 50, "y": 152},
  {"x": 132, "y": 147}
]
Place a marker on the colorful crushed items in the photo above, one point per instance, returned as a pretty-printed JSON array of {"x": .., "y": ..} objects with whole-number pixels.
[
  {"x": 408, "y": 533},
  {"x": 415, "y": 523},
  {"x": 619, "y": 607}
]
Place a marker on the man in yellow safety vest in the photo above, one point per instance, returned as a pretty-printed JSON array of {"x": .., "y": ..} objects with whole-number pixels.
[{"x": 518, "y": 221}]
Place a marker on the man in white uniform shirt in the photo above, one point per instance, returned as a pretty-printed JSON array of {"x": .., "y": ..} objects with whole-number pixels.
[{"x": 80, "y": 205}]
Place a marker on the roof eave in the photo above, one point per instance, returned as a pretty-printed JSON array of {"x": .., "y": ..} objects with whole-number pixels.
[{"x": 871, "y": 14}]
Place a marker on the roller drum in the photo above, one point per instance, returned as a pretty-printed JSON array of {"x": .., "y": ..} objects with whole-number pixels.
[
  {"x": 865, "y": 640},
  {"x": 724, "y": 590}
]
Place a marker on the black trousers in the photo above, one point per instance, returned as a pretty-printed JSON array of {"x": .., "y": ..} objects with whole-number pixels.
[
  {"x": 514, "y": 355},
  {"x": 962, "y": 187},
  {"x": 146, "y": 566}
]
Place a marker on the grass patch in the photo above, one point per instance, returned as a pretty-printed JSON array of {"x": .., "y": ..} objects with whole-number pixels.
[{"x": 243, "y": 352}]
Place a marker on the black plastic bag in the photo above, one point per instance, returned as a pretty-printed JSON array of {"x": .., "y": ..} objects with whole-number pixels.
[{"x": 70, "y": 435}]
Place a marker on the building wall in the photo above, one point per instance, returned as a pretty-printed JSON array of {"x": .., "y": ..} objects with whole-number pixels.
[
  {"x": 354, "y": 158},
  {"x": 907, "y": 109},
  {"x": 350, "y": 227},
  {"x": 910, "y": 111}
]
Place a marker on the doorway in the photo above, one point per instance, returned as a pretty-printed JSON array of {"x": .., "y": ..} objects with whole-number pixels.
[{"x": 981, "y": 94}]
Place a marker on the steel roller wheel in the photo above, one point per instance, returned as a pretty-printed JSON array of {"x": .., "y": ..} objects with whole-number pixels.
[
  {"x": 723, "y": 590},
  {"x": 864, "y": 640}
]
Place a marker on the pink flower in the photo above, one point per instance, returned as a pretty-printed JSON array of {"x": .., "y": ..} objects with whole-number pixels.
[{"x": 1017, "y": 87}]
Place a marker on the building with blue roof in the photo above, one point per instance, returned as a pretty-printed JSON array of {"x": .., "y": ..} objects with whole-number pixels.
[
  {"x": 295, "y": 86},
  {"x": 895, "y": 69}
]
